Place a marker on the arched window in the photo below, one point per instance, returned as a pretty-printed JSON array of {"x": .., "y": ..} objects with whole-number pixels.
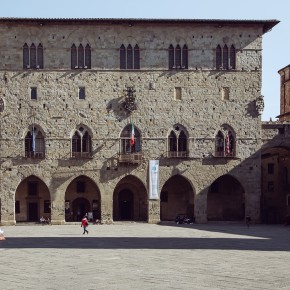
[
  {"x": 177, "y": 143},
  {"x": 130, "y": 145},
  {"x": 185, "y": 57},
  {"x": 26, "y": 63},
  {"x": 122, "y": 57},
  {"x": 81, "y": 144},
  {"x": 136, "y": 57},
  {"x": 219, "y": 144},
  {"x": 232, "y": 57},
  {"x": 225, "y": 57},
  {"x": 40, "y": 56},
  {"x": 218, "y": 57},
  {"x": 129, "y": 57},
  {"x": 34, "y": 144},
  {"x": 81, "y": 56},
  {"x": 88, "y": 56},
  {"x": 171, "y": 56},
  {"x": 178, "y": 56},
  {"x": 32, "y": 56},
  {"x": 74, "y": 63},
  {"x": 225, "y": 143}
]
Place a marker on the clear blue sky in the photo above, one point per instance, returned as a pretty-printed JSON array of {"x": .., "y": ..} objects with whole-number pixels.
[{"x": 276, "y": 43}]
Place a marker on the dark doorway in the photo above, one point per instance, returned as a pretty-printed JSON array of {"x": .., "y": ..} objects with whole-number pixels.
[
  {"x": 33, "y": 211},
  {"x": 80, "y": 207},
  {"x": 126, "y": 201}
]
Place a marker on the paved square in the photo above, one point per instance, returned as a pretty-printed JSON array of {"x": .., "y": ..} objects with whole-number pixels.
[{"x": 145, "y": 256}]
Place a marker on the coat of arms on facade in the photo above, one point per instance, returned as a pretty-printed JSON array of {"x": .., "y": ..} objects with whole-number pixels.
[
  {"x": 130, "y": 99},
  {"x": 260, "y": 104}
]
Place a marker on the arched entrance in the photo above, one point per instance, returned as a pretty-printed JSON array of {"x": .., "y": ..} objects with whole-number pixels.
[
  {"x": 80, "y": 207},
  {"x": 226, "y": 200},
  {"x": 130, "y": 200},
  {"x": 82, "y": 196},
  {"x": 126, "y": 204},
  {"x": 275, "y": 198},
  {"x": 32, "y": 200},
  {"x": 177, "y": 197}
]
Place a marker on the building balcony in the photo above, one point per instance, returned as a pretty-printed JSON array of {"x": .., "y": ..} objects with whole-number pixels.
[
  {"x": 35, "y": 154},
  {"x": 177, "y": 154},
  {"x": 130, "y": 158},
  {"x": 81, "y": 155},
  {"x": 224, "y": 154}
]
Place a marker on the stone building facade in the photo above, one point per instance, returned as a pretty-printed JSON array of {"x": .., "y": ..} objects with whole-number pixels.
[{"x": 85, "y": 104}]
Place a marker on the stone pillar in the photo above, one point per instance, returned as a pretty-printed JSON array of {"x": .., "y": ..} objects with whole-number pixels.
[
  {"x": 200, "y": 206},
  {"x": 57, "y": 208},
  {"x": 107, "y": 210},
  {"x": 7, "y": 209},
  {"x": 153, "y": 211}
]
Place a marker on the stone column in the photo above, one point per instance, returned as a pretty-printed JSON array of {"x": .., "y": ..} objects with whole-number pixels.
[
  {"x": 7, "y": 209},
  {"x": 200, "y": 206},
  {"x": 153, "y": 211},
  {"x": 57, "y": 207},
  {"x": 107, "y": 210}
]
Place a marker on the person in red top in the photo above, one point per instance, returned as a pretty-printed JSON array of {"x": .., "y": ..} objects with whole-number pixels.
[{"x": 85, "y": 224}]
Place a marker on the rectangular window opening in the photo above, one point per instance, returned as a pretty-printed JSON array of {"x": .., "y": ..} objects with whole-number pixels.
[
  {"x": 177, "y": 93},
  {"x": 33, "y": 93},
  {"x": 82, "y": 93}
]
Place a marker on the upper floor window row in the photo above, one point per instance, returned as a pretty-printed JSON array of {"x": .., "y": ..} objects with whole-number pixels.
[
  {"x": 129, "y": 57},
  {"x": 225, "y": 57},
  {"x": 32, "y": 56}
]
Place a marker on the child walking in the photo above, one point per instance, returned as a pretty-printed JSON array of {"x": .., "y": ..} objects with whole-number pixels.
[{"x": 85, "y": 224}]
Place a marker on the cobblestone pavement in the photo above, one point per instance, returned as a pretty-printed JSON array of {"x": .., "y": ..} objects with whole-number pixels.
[{"x": 145, "y": 256}]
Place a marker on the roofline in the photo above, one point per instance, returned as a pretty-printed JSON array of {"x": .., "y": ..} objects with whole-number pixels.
[
  {"x": 283, "y": 68},
  {"x": 267, "y": 24}
]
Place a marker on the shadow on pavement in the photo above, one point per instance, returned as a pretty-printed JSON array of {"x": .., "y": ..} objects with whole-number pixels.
[{"x": 174, "y": 243}]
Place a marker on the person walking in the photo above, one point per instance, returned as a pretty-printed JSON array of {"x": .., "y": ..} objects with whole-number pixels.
[{"x": 85, "y": 224}]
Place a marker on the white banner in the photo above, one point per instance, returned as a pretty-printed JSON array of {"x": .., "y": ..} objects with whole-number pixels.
[{"x": 153, "y": 179}]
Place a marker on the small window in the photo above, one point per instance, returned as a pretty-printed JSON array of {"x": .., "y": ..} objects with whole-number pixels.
[
  {"x": 270, "y": 186},
  {"x": 271, "y": 168},
  {"x": 177, "y": 94},
  {"x": 164, "y": 196},
  {"x": 1, "y": 105},
  {"x": 225, "y": 93},
  {"x": 46, "y": 206},
  {"x": 82, "y": 93},
  {"x": 81, "y": 186},
  {"x": 17, "y": 206},
  {"x": 33, "y": 93},
  {"x": 32, "y": 188}
]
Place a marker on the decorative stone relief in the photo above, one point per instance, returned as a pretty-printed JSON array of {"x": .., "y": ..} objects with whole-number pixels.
[{"x": 260, "y": 104}]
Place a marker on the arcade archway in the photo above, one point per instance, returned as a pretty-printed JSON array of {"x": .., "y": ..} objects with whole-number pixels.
[
  {"x": 226, "y": 200},
  {"x": 130, "y": 200},
  {"x": 177, "y": 197},
  {"x": 32, "y": 200},
  {"x": 82, "y": 196}
]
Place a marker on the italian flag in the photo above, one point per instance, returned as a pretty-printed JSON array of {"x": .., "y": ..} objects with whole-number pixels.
[{"x": 132, "y": 140}]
